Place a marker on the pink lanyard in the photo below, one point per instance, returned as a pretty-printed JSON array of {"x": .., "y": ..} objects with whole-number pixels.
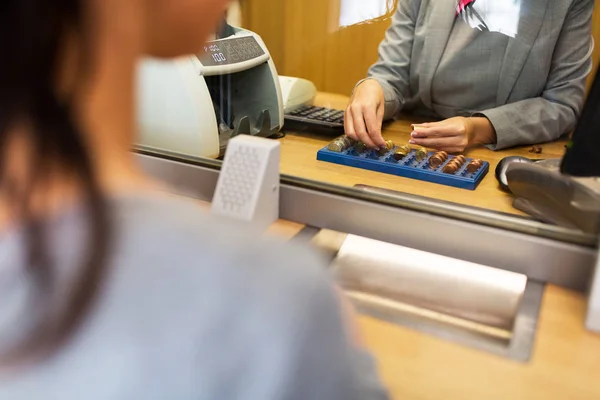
[{"x": 462, "y": 4}]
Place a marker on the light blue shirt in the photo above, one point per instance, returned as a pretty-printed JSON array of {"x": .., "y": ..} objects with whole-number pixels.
[{"x": 191, "y": 307}]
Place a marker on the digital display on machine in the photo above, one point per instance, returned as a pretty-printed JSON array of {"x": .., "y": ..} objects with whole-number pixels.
[{"x": 230, "y": 51}]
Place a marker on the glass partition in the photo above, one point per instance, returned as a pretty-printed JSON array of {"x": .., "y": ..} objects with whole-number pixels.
[{"x": 482, "y": 61}]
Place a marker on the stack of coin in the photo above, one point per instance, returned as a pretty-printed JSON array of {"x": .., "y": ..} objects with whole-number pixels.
[
  {"x": 438, "y": 159},
  {"x": 388, "y": 146},
  {"x": 401, "y": 152},
  {"x": 360, "y": 147},
  {"x": 454, "y": 164},
  {"x": 421, "y": 154},
  {"x": 340, "y": 144},
  {"x": 474, "y": 166}
]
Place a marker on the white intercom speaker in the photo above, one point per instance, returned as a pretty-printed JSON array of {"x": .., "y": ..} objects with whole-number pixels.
[{"x": 248, "y": 184}]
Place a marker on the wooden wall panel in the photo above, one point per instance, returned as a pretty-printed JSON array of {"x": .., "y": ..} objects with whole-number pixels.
[
  {"x": 266, "y": 18},
  {"x": 305, "y": 40},
  {"x": 596, "y": 35},
  {"x": 333, "y": 57}
]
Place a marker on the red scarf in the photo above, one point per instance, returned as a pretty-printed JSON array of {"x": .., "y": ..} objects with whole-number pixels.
[{"x": 462, "y": 4}]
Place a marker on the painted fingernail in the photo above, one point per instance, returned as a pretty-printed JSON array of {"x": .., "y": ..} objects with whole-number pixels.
[
  {"x": 411, "y": 142},
  {"x": 413, "y": 134}
]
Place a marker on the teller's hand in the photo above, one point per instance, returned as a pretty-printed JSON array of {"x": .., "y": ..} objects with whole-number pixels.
[
  {"x": 454, "y": 135},
  {"x": 364, "y": 115}
]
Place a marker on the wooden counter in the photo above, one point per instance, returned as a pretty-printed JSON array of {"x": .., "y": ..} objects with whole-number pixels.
[
  {"x": 299, "y": 152},
  {"x": 565, "y": 363}
]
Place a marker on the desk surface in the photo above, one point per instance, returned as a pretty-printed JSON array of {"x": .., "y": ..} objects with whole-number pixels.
[
  {"x": 299, "y": 158},
  {"x": 565, "y": 363}
]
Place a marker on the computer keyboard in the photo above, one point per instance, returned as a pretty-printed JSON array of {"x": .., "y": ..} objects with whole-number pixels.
[{"x": 315, "y": 120}]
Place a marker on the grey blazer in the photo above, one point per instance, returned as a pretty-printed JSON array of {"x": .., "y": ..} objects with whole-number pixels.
[{"x": 542, "y": 79}]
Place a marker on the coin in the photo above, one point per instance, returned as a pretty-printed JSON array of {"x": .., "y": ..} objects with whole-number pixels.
[
  {"x": 460, "y": 159},
  {"x": 401, "y": 152},
  {"x": 421, "y": 153},
  {"x": 438, "y": 159},
  {"x": 474, "y": 166},
  {"x": 360, "y": 147},
  {"x": 450, "y": 169},
  {"x": 399, "y": 155},
  {"x": 340, "y": 144},
  {"x": 536, "y": 150},
  {"x": 435, "y": 161},
  {"x": 388, "y": 146},
  {"x": 348, "y": 141},
  {"x": 405, "y": 148},
  {"x": 335, "y": 146}
]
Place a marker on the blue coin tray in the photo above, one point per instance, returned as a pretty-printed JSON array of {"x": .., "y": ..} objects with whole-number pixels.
[{"x": 408, "y": 167}]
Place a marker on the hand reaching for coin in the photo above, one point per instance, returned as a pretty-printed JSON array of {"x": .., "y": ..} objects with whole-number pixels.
[
  {"x": 364, "y": 115},
  {"x": 454, "y": 135}
]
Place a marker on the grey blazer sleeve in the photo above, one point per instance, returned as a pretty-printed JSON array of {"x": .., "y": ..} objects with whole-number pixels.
[
  {"x": 556, "y": 111},
  {"x": 392, "y": 68}
]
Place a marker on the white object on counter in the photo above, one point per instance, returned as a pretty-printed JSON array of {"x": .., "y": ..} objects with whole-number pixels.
[
  {"x": 248, "y": 184},
  {"x": 175, "y": 110},
  {"x": 296, "y": 92},
  {"x": 430, "y": 281}
]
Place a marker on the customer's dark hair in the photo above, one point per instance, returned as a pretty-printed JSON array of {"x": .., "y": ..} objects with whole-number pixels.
[{"x": 32, "y": 37}]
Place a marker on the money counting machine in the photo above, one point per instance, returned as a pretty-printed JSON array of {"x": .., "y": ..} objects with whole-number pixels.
[{"x": 194, "y": 104}]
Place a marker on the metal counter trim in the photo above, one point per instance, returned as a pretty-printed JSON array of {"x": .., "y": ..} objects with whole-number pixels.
[
  {"x": 495, "y": 219},
  {"x": 328, "y": 207},
  {"x": 519, "y": 346}
]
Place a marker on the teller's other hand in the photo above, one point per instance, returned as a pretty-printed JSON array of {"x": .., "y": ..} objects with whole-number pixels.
[{"x": 454, "y": 135}]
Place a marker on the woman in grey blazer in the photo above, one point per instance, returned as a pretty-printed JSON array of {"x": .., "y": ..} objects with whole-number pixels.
[{"x": 500, "y": 81}]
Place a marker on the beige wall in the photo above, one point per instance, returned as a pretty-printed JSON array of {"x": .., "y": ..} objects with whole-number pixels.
[{"x": 306, "y": 41}]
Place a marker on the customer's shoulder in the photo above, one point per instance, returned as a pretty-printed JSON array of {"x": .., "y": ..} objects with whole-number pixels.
[
  {"x": 173, "y": 248},
  {"x": 181, "y": 230}
]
